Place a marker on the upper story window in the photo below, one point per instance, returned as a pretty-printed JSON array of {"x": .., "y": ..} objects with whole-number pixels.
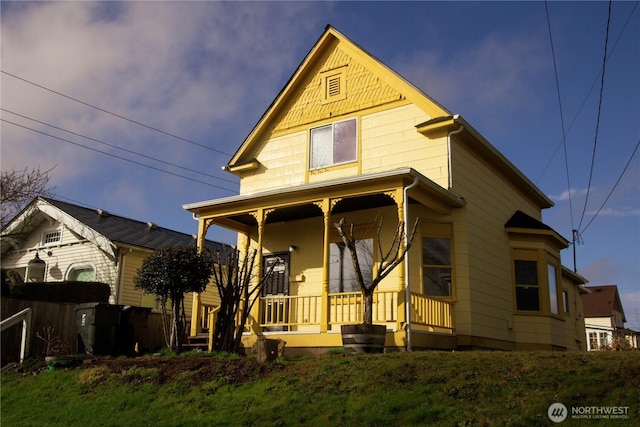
[
  {"x": 333, "y": 144},
  {"x": 52, "y": 237}
]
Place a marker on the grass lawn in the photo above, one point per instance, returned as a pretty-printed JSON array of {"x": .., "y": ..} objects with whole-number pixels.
[{"x": 399, "y": 389}]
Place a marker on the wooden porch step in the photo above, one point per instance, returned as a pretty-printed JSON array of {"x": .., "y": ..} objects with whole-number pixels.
[{"x": 199, "y": 341}]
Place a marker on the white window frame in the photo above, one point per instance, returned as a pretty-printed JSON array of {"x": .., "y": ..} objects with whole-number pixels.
[
  {"x": 46, "y": 233},
  {"x": 81, "y": 266},
  {"x": 312, "y": 166}
]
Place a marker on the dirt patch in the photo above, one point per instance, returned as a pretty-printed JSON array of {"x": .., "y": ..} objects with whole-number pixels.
[{"x": 190, "y": 370}]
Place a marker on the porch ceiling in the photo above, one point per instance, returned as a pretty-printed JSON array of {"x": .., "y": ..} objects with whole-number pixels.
[
  {"x": 351, "y": 194},
  {"x": 310, "y": 210}
]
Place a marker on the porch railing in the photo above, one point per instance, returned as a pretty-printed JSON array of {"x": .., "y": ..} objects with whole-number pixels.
[
  {"x": 304, "y": 312},
  {"x": 431, "y": 312}
]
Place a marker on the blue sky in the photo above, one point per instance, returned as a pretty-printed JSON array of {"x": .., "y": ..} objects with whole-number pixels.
[{"x": 206, "y": 71}]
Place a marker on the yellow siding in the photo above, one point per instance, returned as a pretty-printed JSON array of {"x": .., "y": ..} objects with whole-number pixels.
[
  {"x": 390, "y": 141},
  {"x": 131, "y": 262},
  {"x": 283, "y": 163},
  {"x": 485, "y": 290},
  {"x": 364, "y": 90}
]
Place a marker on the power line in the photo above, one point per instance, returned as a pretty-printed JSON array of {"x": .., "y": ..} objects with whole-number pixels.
[
  {"x": 595, "y": 140},
  {"x": 117, "y": 157},
  {"x": 114, "y": 114},
  {"x": 595, "y": 81},
  {"x": 117, "y": 147},
  {"x": 564, "y": 135},
  {"x": 614, "y": 186}
]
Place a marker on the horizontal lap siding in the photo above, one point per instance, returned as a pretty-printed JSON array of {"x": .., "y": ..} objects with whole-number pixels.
[
  {"x": 491, "y": 201},
  {"x": 390, "y": 140},
  {"x": 71, "y": 250}
]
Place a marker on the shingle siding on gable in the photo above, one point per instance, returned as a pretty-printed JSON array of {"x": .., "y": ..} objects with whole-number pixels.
[{"x": 363, "y": 90}]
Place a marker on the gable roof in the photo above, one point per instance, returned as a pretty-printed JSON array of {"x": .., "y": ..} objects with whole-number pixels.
[
  {"x": 321, "y": 59},
  {"x": 108, "y": 231},
  {"x": 601, "y": 301},
  {"x": 329, "y": 39}
]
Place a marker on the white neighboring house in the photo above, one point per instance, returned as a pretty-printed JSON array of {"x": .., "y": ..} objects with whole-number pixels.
[
  {"x": 605, "y": 319},
  {"x": 80, "y": 244}
]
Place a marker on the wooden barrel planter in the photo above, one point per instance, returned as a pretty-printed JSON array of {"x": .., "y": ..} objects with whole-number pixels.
[{"x": 364, "y": 338}]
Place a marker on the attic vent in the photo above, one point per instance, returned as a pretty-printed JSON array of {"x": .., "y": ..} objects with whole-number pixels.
[
  {"x": 333, "y": 85},
  {"x": 103, "y": 213},
  {"x": 151, "y": 225}
]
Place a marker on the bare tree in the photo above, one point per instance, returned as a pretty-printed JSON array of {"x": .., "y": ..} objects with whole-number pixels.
[
  {"x": 18, "y": 188},
  {"x": 233, "y": 275},
  {"x": 388, "y": 260}
]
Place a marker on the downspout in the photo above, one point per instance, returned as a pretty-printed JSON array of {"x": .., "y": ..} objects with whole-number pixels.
[
  {"x": 453, "y": 132},
  {"x": 407, "y": 304}
]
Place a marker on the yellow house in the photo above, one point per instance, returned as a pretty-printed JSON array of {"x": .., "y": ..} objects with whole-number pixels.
[
  {"x": 347, "y": 137},
  {"x": 80, "y": 244}
]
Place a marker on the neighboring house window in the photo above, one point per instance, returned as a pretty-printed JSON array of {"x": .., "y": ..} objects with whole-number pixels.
[
  {"x": 52, "y": 237},
  {"x": 604, "y": 340},
  {"x": 436, "y": 266},
  {"x": 593, "y": 340},
  {"x": 527, "y": 286},
  {"x": 333, "y": 144},
  {"x": 342, "y": 276},
  {"x": 81, "y": 273},
  {"x": 553, "y": 288}
]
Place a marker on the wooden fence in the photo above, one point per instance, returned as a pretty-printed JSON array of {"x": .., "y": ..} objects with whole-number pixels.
[{"x": 147, "y": 327}]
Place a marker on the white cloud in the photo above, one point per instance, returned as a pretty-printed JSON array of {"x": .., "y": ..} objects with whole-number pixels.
[
  {"x": 193, "y": 69},
  {"x": 564, "y": 196},
  {"x": 494, "y": 74}
]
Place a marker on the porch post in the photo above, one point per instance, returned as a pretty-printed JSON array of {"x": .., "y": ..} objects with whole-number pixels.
[
  {"x": 401, "y": 312},
  {"x": 324, "y": 316},
  {"x": 256, "y": 311},
  {"x": 195, "y": 309}
]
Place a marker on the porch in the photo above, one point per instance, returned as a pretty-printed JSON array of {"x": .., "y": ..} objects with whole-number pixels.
[{"x": 300, "y": 320}]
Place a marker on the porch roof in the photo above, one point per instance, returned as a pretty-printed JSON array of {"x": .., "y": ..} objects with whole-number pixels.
[{"x": 369, "y": 186}]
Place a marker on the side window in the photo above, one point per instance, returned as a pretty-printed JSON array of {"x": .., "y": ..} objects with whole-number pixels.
[
  {"x": 333, "y": 144},
  {"x": 436, "y": 266},
  {"x": 527, "y": 285},
  {"x": 553, "y": 289}
]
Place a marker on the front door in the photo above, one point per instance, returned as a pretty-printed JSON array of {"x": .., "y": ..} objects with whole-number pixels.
[{"x": 277, "y": 285}]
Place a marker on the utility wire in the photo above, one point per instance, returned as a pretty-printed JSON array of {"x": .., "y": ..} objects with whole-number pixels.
[
  {"x": 117, "y": 147},
  {"x": 595, "y": 140},
  {"x": 614, "y": 186},
  {"x": 114, "y": 114},
  {"x": 564, "y": 135},
  {"x": 117, "y": 157},
  {"x": 584, "y": 101}
]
